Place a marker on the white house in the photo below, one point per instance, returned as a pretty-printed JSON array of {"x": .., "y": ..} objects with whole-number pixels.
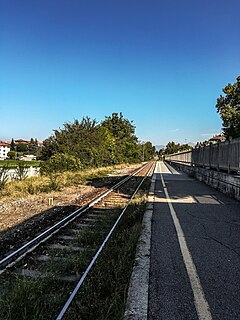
[{"x": 4, "y": 149}]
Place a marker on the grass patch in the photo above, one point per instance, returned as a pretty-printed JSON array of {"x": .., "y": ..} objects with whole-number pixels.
[
  {"x": 26, "y": 299},
  {"x": 44, "y": 184},
  {"x": 74, "y": 264},
  {"x": 94, "y": 236},
  {"x": 14, "y": 163},
  {"x": 104, "y": 293}
]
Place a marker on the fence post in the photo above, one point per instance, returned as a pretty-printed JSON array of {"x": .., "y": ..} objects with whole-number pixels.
[
  {"x": 228, "y": 153},
  {"x": 210, "y": 155},
  {"x": 238, "y": 148}
]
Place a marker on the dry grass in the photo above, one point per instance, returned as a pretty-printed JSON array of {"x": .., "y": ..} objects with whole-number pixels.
[
  {"x": 22, "y": 200},
  {"x": 42, "y": 184}
]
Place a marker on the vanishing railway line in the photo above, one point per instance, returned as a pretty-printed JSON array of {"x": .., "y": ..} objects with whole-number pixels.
[{"x": 64, "y": 254}]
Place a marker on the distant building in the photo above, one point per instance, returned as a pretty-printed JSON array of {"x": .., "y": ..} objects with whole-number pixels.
[
  {"x": 4, "y": 149},
  {"x": 21, "y": 141},
  {"x": 28, "y": 157},
  {"x": 40, "y": 143},
  {"x": 27, "y": 142},
  {"x": 218, "y": 138}
]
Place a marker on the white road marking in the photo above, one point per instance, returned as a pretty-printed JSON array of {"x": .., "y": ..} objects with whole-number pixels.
[
  {"x": 200, "y": 301},
  {"x": 165, "y": 169},
  {"x": 173, "y": 171}
]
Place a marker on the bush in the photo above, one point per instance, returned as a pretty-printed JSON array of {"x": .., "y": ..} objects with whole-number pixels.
[
  {"x": 59, "y": 163},
  {"x": 12, "y": 155},
  {"x": 3, "y": 176},
  {"x": 21, "y": 171}
]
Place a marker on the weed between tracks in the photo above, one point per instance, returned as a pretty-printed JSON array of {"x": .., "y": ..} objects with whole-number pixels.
[{"x": 104, "y": 293}]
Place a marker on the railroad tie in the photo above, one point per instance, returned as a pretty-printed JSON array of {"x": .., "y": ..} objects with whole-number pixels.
[
  {"x": 45, "y": 258},
  {"x": 35, "y": 274},
  {"x": 83, "y": 225},
  {"x": 64, "y": 237},
  {"x": 58, "y": 246}
]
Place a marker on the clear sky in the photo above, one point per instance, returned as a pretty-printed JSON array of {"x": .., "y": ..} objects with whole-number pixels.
[{"x": 162, "y": 63}]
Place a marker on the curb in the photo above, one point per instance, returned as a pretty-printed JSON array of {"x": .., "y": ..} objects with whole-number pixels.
[{"x": 137, "y": 301}]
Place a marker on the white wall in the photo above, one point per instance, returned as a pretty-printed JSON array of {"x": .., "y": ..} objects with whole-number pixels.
[{"x": 3, "y": 152}]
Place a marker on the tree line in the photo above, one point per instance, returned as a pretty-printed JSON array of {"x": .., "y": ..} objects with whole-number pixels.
[{"x": 94, "y": 144}]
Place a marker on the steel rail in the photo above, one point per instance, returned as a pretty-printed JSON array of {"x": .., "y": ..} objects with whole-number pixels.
[
  {"x": 80, "y": 282},
  {"x": 31, "y": 245}
]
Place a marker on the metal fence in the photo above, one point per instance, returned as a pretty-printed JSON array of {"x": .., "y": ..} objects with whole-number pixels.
[{"x": 221, "y": 156}]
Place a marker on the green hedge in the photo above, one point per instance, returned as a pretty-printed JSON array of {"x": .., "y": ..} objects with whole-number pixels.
[{"x": 15, "y": 163}]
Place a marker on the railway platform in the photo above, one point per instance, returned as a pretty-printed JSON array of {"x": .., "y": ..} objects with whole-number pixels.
[{"x": 188, "y": 263}]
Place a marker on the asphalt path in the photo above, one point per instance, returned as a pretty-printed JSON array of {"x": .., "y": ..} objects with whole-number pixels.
[{"x": 195, "y": 251}]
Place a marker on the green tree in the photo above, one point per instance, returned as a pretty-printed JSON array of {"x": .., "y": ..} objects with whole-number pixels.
[
  {"x": 21, "y": 147},
  {"x": 148, "y": 151},
  {"x": 184, "y": 147},
  {"x": 95, "y": 144},
  {"x": 32, "y": 146},
  {"x": 228, "y": 107},
  {"x": 173, "y": 147},
  {"x": 49, "y": 148},
  {"x": 12, "y": 145},
  {"x": 12, "y": 155},
  {"x": 59, "y": 163},
  {"x": 123, "y": 131},
  {"x": 87, "y": 140}
]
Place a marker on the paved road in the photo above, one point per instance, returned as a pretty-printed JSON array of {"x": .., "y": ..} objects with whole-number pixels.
[{"x": 195, "y": 251}]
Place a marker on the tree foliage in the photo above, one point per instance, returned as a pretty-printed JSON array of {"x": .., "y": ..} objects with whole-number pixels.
[
  {"x": 12, "y": 155},
  {"x": 12, "y": 145},
  {"x": 148, "y": 151},
  {"x": 228, "y": 107},
  {"x": 173, "y": 147},
  {"x": 86, "y": 140},
  {"x": 125, "y": 141},
  {"x": 59, "y": 163},
  {"x": 33, "y": 146},
  {"x": 22, "y": 148},
  {"x": 97, "y": 144}
]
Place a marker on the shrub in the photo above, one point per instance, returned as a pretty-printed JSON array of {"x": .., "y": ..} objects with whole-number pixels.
[
  {"x": 21, "y": 171},
  {"x": 3, "y": 176},
  {"x": 59, "y": 163},
  {"x": 12, "y": 155}
]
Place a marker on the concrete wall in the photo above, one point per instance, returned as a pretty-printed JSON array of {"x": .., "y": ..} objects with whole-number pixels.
[
  {"x": 224, "y": 182},
  {"x": 32, "y": 172}
]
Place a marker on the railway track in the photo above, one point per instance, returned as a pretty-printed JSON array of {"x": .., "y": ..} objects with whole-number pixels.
[{"x": 63, "y": 255}]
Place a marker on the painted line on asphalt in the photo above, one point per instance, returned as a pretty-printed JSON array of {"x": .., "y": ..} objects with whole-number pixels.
[
  {"x": 200, "y": 301},
  {"x": 172, "y": 170}
]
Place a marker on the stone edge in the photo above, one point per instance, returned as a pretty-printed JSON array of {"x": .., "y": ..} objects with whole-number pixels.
[{"x": 137, "y": 300}]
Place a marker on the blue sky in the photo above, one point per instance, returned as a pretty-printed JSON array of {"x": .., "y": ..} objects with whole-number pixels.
[{"x": 162, "y": 63}]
